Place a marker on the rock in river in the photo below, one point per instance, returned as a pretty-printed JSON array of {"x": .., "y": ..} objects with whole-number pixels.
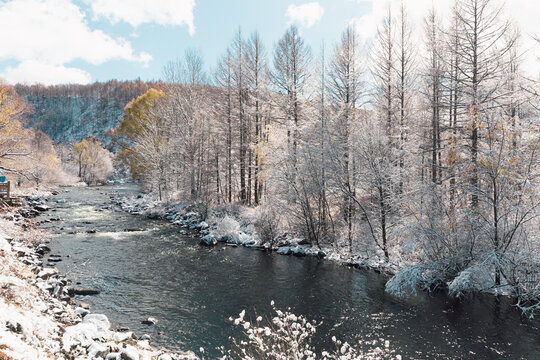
[
  {"x": 41, "y": 207},
  {"x": 149, "y": 321},
  {"x": 208, "y": 240},
  {"x": 86, "y": 291},
  {"x": 42, "y": 249}
]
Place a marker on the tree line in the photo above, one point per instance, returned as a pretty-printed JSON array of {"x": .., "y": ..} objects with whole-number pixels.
[{"x": 423, "y": 153}]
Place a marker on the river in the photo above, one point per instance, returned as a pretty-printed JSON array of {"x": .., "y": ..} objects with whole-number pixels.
[{"x": 192, "y": 290}]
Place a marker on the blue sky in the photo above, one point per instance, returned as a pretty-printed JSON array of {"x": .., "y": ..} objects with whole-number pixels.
[
  {"x": 81, "y": 41},
  {"x": 216, "y": 23}
]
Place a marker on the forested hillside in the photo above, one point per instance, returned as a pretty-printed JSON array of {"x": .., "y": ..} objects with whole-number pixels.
[{"x": 72, "y": 112}]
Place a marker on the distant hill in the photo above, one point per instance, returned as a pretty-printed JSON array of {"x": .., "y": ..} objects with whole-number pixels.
[{"x": 72, "y": 112}]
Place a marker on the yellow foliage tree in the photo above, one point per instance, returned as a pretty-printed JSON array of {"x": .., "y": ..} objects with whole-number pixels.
[
  {"x": 138, "y": 116},
  {"x": 13, "y": 137},
  {"x": 94, "y": 161},
  {"x": 81, "y": 155}
]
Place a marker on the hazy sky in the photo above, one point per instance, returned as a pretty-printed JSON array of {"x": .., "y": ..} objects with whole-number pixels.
[{"x": 81, "y": 41}]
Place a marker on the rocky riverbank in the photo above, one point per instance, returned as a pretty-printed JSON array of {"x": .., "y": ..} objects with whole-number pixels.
[
  {"x": 233, "y": 231},
  {"x": 39, "y": 318}
]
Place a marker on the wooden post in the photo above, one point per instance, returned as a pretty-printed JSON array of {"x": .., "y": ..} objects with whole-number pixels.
[{"x": 8, "y": 186}]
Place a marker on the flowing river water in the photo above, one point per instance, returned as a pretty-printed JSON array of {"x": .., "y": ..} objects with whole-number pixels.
[{"x": 193, "y": 290}]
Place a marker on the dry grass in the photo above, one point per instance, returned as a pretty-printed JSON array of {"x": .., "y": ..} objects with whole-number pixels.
[
  {"x": 9, "y": 295},
  {"x": 3, "y": 356}
]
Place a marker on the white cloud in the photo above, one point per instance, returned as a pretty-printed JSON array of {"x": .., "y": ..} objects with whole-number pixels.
[
  {"x": 137, "y": 12},
  {"x": 306, "y": 15},
  {"x": 525, "y": 14},
  {"x": 53, "y": 33},
  {"x": 368, "y": 23},
  {"x": 32, "y": 71}
]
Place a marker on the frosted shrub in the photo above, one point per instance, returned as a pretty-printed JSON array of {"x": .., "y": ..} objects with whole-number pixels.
[
  {"x": 287, "y": 336},
  {"x": 227, "y": 226},
  {"x": 407, "y": 281},
  {"x": 267, "y": 224},
  {"x": 473, "y": 278},
  {"x": 523, "y": 276}
]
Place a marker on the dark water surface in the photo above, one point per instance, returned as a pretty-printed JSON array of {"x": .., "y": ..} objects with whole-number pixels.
[{"x": 192, "y": 290}]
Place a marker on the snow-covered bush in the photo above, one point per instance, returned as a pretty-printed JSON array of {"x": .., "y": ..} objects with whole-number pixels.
[
  {"x": 267, "y": 224},
  {"x": 407, "y": 281},
  {"x": 522, "y": 271},
  {"x": 287, "y": 336},
  {"x": 226, "y": 226}
]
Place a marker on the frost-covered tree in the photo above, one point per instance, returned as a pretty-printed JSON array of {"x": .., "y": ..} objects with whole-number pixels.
[
  {"x": 258, "y": 82},
  {"x": 94, "y": 162},
  {"x": 292, "y": 58},
  {"x": 345, "y": 90}
]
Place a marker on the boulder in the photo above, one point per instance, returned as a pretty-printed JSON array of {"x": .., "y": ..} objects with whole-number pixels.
[
  {"x": 208, "y": 240},
  {"x": 20, "y": 251},
  {"x": 97, "y": 350},
  {"x": 130, "y": 353},
  {"x": 42, "y": 249},
  {"x": 84, "y": 305},
  {"x": 92, "y": 327},
  {"x": 122, "y": 336},
  {"x": 114, "y": 356},
  {"x": 47, "y": 273},
  {"x": 41, "y": 207},
  {"x": 149, "y": 321},
  {"x": 81, "y": 312},
  {"x": 144, "y": 344},
  {"x": 284, "y": 250},
  {"x": 86, "y": 291},
  {"x": 100, "y": 320}
]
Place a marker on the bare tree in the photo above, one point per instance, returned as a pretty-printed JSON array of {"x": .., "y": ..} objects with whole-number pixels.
[
  {"x": 224, "y": 81},
  {"x": 345, "y": 88},
  {"x": 481, "y": 52},
  {"x": 383, "y": 69},
  {"x": 291, "y": 68},
  {"x": 257, "y": 77},
  {"x": 434, "y": 90},
  {"x": 406, "y": 80}
]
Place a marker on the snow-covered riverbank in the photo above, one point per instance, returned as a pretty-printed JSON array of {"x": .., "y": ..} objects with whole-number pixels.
[
  {"x": 240, "y": 231},
  {"x": 38, "y": 319}
]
